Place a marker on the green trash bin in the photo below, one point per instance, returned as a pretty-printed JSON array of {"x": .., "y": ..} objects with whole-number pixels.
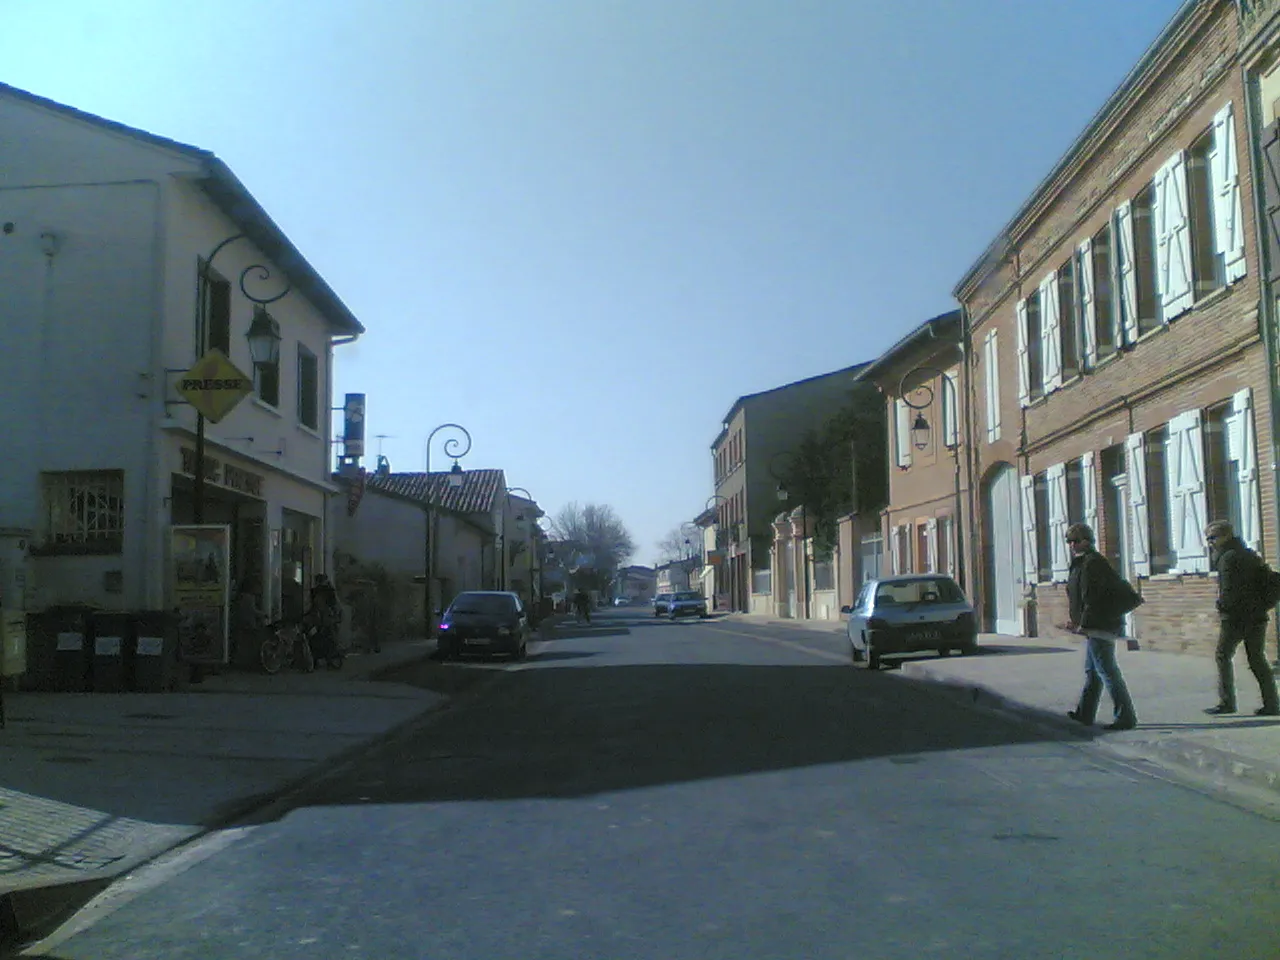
[
  {"x": 113, "y": 647},
  {"x": 72, "y": 633},
  {"x": 156, "y": 668}
]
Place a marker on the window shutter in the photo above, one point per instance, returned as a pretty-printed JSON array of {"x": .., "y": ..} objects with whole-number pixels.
[
  {"x": 993, "y": 387},
  {"x": 931, "y": 539},
  {"x": 1188, "y": 500},
  {"x": 1051, "y": 332},
  {"x": 1030, "y": 557},
  {"x": 1060, "y": 562},
  {"x": 1126, "y": 277},
  {"x": 950, "y": 408},
  {"x": 903, "y": 418},
  {"x": 1245, "y": 455},
  {"x": 895, "y": 551},
  {"x": 1173, "y": 247},
  {"x": 1139, "y": 529},
  {"x": 1228, "y": 214},
  {"x": 1024, "y": 363},
  {"x": 1084, "y": 299},
  {"x": 1087, "y": 480}
]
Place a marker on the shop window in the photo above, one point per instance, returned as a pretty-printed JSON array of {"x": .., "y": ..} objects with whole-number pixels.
[{"x": 83, "y": 512}]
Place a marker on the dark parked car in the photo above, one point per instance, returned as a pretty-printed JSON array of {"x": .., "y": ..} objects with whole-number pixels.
[
  {"x": 486, "y": 622},
  {"x": 910, "y": 614},
  {"x": 661, "y": 604}
]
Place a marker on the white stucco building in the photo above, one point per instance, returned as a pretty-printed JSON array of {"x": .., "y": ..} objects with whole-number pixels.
[{"x": 106, "y": 300}]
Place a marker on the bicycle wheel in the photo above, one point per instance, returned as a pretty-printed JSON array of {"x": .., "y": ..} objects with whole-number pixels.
[{"x": 273, "y": 654}]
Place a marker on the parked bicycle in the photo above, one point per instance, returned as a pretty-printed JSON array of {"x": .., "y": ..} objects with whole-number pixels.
[{"x": 286, "y": 643}]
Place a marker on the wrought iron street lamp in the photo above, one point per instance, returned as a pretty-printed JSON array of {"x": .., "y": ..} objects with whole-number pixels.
[
  {"x": 917, "y": 382},
  {"x": 457, "y": 448},
  {"x": 532, "y": 542}
]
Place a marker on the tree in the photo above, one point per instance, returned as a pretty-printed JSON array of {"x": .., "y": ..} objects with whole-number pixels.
[
  {"x": 601, "y": 542},
  {"x": 841, "y": 467},
  {"x": 673, "y": 546}
]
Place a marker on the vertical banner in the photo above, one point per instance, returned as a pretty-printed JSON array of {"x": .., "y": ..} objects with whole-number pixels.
[
  {"x": 353, "y": 426},
  {"x": 200, "y": 578}
]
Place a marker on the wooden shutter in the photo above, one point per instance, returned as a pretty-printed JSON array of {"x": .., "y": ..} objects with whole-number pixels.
[
  {"x": 1126, "y": 275},
  {"x": 1050, "y": 333},
  {"x": 1024, "y": 362},
  {"x": 1271, "y": 195},
  {"x": 931, "y": 542},
  {"x": 1060, "y": 559},
  {"x": 1088, "y": 479},
  {"x": 1228, "y": 213},
  {"x": 1085, "y": 304},
  {"x": 1173, "y": 239},
  {"x": 1030, "y": 555},
  {"x": 1243, "y": 450},
  {"x": 993, "y": 386},
  {"x": 1187, "y": 492},
  {"x": 1135, "y": 454},
  {"x": 950, "y": 408},
  {"x": 902, "y": 417}
]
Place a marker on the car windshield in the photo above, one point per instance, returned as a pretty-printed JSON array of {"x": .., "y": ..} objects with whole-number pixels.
[
  {"x": 483, "y": 604},
  {"x": 688, "y": 596},
  {"x": 928, "y": 590}
]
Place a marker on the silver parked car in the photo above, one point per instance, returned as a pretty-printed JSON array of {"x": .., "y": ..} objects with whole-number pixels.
[
  {"x": 661, "y": 604},
  {"x": 910, "y": 614}
]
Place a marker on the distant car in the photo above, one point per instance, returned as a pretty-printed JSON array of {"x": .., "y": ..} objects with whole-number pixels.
[
  {"x": 484, "y": 621},
  {"x": 687, "y": 604},
  {"x": 910, "y": 614},
  {"x": 620, "y": 601},
  {"x": 661, "y": 603}
]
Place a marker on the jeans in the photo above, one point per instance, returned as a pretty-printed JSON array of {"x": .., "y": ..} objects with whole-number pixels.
[
  {"x": 1254, "y": 638},
  {"x": 1100, "y": 668}
]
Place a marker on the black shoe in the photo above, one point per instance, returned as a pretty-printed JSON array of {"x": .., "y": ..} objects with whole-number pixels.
[
  {"x": 1219, "y": 710},
  {"x": 1267, "y": 712},
  {"x": 1075, "y": 715},
  {"x": 1121, "y": 725}
]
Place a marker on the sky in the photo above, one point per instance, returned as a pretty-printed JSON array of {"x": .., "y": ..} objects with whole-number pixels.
[{"x": 583, "y": 228}]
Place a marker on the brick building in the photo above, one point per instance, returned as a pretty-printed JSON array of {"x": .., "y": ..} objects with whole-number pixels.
[{"x": 1118, "y": 372}]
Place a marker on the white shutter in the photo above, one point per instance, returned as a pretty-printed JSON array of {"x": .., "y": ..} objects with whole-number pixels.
[
  {"x": 1188, "y": 500},
  {"x": 1173, "y": 238},
  {"x": 1228, "y": 213},
  {"x": 931, "y": 541},
  {"x": 993, "y": 387},
  {"x": 1135, "y": 454},
  {"x": 903, "y": 433},
  {"x": 1030, "y": 559},
  {"x": 950, "y": 408},
  {"x": 1056, "y": 477},
  {"x": 1173, "y": 478},
  {"x": 1126, "y": 266},
  {"x": 1024, "y": 363},
  {"x": 1245, "y": 455},
  {"x": 1084, "y": 298},
  {"x": 895, "y": 553},
  {"x": 1051, "y": 332},
  {"x": 1087, "y": 480},
  {"x": 949, "y": 538}
]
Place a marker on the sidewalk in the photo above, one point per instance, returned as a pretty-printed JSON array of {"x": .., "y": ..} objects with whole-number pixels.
[
  {"x": 93, "y": 784},
  {"x": 1040, "y": 679}
]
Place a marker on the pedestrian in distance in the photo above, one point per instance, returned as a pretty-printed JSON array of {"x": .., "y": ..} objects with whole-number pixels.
[
  {"x": 1242, "y": 614},
  {"x": 1096, "y": 610}
]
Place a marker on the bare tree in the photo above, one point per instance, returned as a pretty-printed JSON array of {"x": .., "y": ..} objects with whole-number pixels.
[
  {"x": 671, "y": 547},
  {"x": 601, "y": 541}
]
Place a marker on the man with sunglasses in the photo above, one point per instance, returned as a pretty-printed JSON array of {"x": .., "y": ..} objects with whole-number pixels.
[
  {"x": 1242, "y": 610},
  {"x": 1091, "y": 599}
]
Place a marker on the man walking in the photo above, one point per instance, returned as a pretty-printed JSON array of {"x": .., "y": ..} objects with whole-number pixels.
[
  {"x": 1091, "y": 599},
  {"x": 1242, "y": 611}
]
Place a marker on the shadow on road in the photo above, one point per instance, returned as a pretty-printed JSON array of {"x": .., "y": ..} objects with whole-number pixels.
[{"x": 568, "y": 733}]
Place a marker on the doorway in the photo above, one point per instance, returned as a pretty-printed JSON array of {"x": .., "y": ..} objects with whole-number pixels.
[{"x": 1002, "y": 552}]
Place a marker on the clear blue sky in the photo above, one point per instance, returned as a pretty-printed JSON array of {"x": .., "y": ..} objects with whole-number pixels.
[{"x": 583, "y": 228}]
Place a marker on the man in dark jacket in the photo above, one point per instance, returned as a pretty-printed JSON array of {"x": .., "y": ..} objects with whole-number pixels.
[
  {"x": 1093, "y": 612},
  {"x": 1242, "y": 611}
]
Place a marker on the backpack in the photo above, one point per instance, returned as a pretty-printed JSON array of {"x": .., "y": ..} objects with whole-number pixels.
[{"x": 1270, "y": 589}]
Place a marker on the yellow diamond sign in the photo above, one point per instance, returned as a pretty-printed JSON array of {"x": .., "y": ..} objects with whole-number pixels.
[{"x": 214, "y": 385}]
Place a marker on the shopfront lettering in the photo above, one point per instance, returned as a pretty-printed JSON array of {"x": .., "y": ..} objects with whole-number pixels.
[
  {"x": 213, "y": 383},
  {"x": 224, "y": 475}
]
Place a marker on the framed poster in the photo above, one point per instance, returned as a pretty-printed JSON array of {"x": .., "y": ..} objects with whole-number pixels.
[{"x": 200, "y": 578}]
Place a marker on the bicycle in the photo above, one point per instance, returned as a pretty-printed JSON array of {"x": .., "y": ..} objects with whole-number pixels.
[{"x": 286, "y": 642}]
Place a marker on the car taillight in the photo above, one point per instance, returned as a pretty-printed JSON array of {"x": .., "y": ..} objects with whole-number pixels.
[{"x": 875, "y": 623}]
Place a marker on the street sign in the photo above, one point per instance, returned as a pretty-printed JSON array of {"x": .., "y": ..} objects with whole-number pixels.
[{"x": 214, "y": 385}]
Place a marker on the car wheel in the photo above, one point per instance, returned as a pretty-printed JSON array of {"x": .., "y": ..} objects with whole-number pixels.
[
  {"x": 521, "y": 651},
  {"x": 858, "y": 656},
  {"x": 944, "y": 651},
  {"x": 873, "y": 657},
  {"x": 970, "y": 648}
]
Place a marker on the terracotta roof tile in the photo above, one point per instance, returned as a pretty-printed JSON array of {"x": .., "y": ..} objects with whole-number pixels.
[{"x": 479, "y": 493}]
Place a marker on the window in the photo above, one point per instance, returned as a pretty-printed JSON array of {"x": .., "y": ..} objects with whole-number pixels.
[
  {"x": 950, "y": 411},
  {"x": 1221, "y": 471},
  {"x": 84, "y": 511},
  {"x": 1159, "y": 555},
  {"x": 1044, "y": 547},
  {"x": 923, "y": 550},
  {"x": 1207, "y": 268},
  {"x": 1035, "y": 348},
  {"x": 266, "y": 381},
  {"x": 1144, "y": 257},
  {"x": 946, "y": 545},
  {"x": 900, "y": 550},
  {"x": 308, "y": 389},
  {"x": 213, "y": 311},
  {"x": 991, "y": 359},
  {"x": 902, "y": 433},
  {"x": 1075, "y": 505},
  {"x": 1068, "y": 322},
  {"x": 1095, "y": 297}
]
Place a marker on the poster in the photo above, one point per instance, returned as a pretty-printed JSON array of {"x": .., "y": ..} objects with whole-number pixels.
[{"x": 200, "y": 559}]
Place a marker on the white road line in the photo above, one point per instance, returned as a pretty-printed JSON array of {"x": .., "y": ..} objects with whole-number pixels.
[{"x": 790, "y": 644}]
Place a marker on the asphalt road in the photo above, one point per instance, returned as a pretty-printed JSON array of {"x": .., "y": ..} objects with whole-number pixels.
[{"x": 643, "y": 789}]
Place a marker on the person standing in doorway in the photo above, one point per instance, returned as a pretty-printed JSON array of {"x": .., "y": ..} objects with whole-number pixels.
[
  {"x": 1242, "y": 612},
  {"x": 1093, "y": 613}
]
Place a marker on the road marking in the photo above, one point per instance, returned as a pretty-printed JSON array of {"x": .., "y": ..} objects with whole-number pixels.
[{"x": 790, "y": 644}]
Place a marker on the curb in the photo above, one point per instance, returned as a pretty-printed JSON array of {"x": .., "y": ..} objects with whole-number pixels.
[
  {"x": 32, "y": 913},
  {"x": 1219, "y": 766}
]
